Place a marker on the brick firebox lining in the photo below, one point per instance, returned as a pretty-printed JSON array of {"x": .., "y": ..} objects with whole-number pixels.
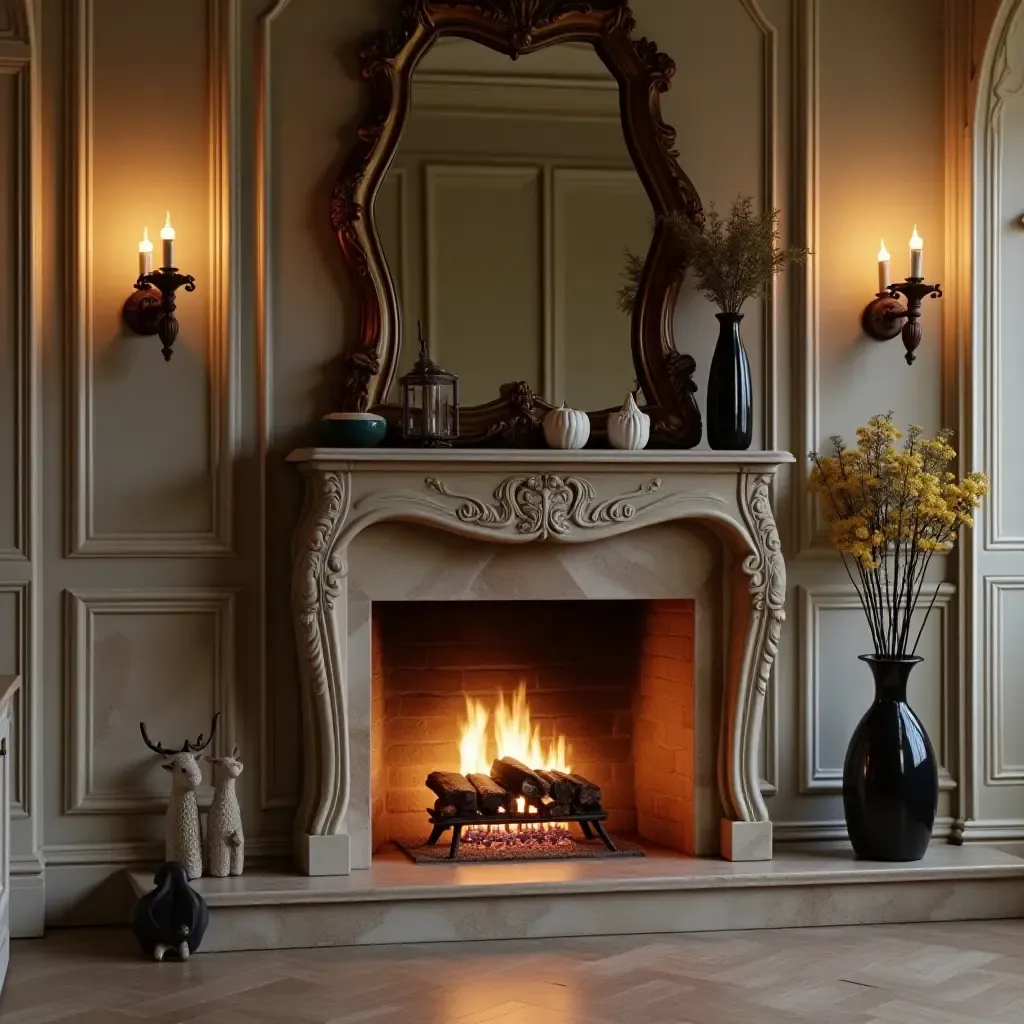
[{"x": 616, "y": 677}]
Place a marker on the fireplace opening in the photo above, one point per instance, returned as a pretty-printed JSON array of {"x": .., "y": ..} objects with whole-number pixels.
[{"x": 582, "y": 713}]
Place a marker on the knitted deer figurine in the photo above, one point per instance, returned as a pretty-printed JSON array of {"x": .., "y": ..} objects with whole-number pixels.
[
  {"x": 225, "y": 843},
  {"x": 184, "y": 839}
]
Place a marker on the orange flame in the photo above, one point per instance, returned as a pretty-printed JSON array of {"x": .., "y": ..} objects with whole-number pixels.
[{"x": 515, "y": 735}]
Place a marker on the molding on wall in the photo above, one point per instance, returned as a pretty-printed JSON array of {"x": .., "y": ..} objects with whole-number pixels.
[
  {"x": 1006, "y": 82},
  {"x": 83, "y": 537},
  {"x": 21, "y": 563},
  {"x": 998, "y": 772},
  {"x": 118, "y": 854},
  {"x": 24, "y": 413},
  {"x": 770, "y": 57},
  {"x": 958, "y": 370},
  {"x": 270, "y": 798},
  {"x": 81, "y": 607},
  {"x": 16, "y": 22},
  {"x": 833, "y": 830},
  {"x": 22, "y": 740},
  {"x": 815, "y": 779},
  {"x": 809, "y": 535}
]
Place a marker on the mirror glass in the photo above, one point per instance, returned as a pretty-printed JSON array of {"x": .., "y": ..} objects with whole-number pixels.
[{"x": 504, "y": 218}]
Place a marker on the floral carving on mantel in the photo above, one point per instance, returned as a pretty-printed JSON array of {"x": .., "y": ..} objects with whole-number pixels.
[
  {"x": 766, "y": 569},
  {"x": 545, "y": 506}
]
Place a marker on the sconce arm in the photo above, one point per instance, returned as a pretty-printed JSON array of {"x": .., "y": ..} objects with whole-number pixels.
[{"x": 150, "y": 308}]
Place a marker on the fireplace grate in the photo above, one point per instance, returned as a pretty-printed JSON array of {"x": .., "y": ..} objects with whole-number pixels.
[
  {"x": 515, "y": 806},
  {"x": 590, "y": 822}
]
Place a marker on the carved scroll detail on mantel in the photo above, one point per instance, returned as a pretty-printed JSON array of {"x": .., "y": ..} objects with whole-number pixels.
[
  {"x": 767, "y": 572},
  {"x": 546, "y": 506},
  {"x": 317, "y": 583}
]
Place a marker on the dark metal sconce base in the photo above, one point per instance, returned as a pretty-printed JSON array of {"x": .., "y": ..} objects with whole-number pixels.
[
  {"x": 150, "y": 308},
  {"x": 143, "y": 309},
  {"x": 885, "y": 316},
  {"x": 881, "y": 317}
]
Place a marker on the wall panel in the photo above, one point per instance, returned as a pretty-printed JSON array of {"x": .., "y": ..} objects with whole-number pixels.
[
  {"x": 15, "y": 220},
  {"x": 125, "y": 501},
  {"x": 162, "y": 657},
  {"x": 838, "y": 688}
]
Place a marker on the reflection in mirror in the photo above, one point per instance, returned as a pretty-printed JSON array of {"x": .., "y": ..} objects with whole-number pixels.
[{"x": 504, "y": 217}]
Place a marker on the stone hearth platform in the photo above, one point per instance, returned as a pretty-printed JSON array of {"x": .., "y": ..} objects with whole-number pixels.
[{"x": 396, "y": 901}]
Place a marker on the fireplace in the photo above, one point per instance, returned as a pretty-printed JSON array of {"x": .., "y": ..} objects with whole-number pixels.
[
  {"x": 603, "y": 690},
  {"x": 650, "y": 582}
]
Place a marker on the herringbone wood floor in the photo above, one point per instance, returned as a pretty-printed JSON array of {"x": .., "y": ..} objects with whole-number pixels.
[{"x": 959, "y": 973}]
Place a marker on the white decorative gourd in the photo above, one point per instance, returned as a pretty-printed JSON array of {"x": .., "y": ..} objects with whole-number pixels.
[
  {"x": 566, "y": 428},
  {"x": 629, "y": 428}
]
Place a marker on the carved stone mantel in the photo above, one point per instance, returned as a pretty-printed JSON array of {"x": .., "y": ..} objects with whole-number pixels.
[{"x": 519, "y": 497}]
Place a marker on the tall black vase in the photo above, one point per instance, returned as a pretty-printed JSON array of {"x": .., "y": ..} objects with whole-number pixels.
[
  {"x": 890, "y": 778},
  {"x": 730, "y": 398}
]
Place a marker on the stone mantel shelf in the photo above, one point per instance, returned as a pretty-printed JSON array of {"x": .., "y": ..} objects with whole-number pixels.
[
  {"x": 515, "y": 497},
  {"x": 648, "y": 459}
]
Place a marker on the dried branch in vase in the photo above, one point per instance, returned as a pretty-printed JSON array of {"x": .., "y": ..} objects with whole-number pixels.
[{"x": 733, "y": 260}]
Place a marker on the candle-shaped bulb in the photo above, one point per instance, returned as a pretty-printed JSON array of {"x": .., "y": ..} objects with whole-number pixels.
[
  {"x": 145, "y": 254},
  {"x": 883, "y": 268},
  {"x": 167, "y": 236},
  {"x": 916, "y": 254}
]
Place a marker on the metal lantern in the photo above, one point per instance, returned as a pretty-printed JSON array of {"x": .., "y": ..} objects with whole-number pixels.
[{"x": 430, "y": 403}]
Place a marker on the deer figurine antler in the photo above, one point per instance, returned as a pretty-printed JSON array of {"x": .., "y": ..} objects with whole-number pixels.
[{"x": 189, "y": 747}]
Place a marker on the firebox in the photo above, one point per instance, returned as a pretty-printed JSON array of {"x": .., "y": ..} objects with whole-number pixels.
[{"x": 579, "y": 712}]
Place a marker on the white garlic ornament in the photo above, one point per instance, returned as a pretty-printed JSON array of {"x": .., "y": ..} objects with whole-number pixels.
[
  {"x": 629, "y": 428},
  {"x": 566, "y": 428}
]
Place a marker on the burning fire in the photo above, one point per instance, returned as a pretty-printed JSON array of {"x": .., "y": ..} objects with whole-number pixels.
[{"x": 514, "y": 736}]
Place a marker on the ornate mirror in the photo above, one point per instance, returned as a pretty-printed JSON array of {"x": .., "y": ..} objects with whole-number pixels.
[{"x": 492, "y": 200}]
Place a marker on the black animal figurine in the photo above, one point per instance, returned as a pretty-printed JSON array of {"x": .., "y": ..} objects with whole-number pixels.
[{"x": 172, "y": 918}]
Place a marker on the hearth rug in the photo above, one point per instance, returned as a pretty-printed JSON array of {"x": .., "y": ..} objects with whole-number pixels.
[{"x": 486, "y": 848}]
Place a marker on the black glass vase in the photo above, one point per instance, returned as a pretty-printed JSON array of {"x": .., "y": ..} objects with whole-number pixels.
[
  {"x": 730, "y": 399},
  {"x": 890, "y": 778}
]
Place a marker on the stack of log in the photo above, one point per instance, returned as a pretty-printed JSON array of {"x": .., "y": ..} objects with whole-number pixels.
[{"x": 553, "y": 794}]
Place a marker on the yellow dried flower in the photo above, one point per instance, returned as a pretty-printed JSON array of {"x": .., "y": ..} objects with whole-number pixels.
[{"x": 889, "y": 510}]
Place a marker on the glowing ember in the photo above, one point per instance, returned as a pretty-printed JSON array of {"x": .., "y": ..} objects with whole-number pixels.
[
  {"x": 522, "y": 837},
  {"x": 514, "y": 736}
]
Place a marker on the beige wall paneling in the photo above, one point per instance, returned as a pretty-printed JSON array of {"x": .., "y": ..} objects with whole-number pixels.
[
  {"x": 844, "y": 200},
  {"x": 164, "y": 656},
  {"x": 164, "y": 487},
  {"x": 993, "y": 758},
  {"x": 272, "y": 796},
  {"x": 144, "y": 627},
  {"x": 15, "y": 306},
  {"x": 20, "y": 536}
]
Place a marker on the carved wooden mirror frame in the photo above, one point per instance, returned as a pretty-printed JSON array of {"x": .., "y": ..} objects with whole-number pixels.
[{"x": 516, "y": 27}]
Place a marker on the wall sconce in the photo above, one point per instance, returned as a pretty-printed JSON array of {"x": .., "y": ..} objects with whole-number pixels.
[
  {"x": 882, "y": 316},
  {"x": 150, "y": 308}
]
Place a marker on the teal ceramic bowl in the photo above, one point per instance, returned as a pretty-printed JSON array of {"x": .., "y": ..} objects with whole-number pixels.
[{"x": 351, "y": 430}]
